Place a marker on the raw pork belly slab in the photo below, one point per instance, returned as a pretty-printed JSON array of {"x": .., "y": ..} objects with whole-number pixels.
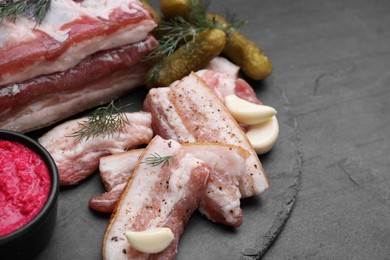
[
  {"x": 77, "y": 159},
  {"x": 188, "y": 111},
  {"x": 84, "y": 54},
  {"x": 70, "y": 32},
  {"x": 221, "y": 201},
  {"x": 95, "y": 80},
  {"x": 164, "y": 195}
]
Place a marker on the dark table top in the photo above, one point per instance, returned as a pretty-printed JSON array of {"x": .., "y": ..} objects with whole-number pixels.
[
  {"x": 331, "y": 86},
  {"x": 332, "y": 66}
]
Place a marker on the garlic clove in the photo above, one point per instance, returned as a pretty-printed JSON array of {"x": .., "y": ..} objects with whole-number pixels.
[
  {"x": 150, "y": 241},
  {"x": 246, "y": 112},
  {"x": 263, "y": 136}
]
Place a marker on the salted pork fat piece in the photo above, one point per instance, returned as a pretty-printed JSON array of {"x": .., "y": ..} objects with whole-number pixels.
[
  {"x": 188, "y": 111},
  {"x": 221, "y": 201},
  {"x": 97, "y": 79},
  {"x": 71, "y": 31},
  {"x": 221, "y": 76},
  {"x": 115, "y": 171},
  {"x": 84, "y": 54},
  {"x": 163, "y": 195},
  {"x": 77, "y": 159}
]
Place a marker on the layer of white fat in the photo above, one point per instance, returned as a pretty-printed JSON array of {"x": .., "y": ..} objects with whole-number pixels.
[
  {"x": 64, "y": 148},
  {"x": 224, "y": 66},
  {"x": 138, "y": 195},
  {"x": 113, "y": 166},
  {"x": 173, "y": 123},
  {"x": 102, "y": 8},
  {"x": 221, "y": 157},
  {"x": 228, "y": 207},
  {"x": 11, "y": 32},
  {"x": 56, "y": 107},
  {"x": 225, "y": 85},
  {"x": 63, "y": 12},
  {"x": 228, "y": 160},
  {"x": 193, "y": 89}
]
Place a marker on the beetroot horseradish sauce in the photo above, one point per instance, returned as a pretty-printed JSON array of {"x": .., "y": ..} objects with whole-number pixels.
[{"x": 24, "y": 185}]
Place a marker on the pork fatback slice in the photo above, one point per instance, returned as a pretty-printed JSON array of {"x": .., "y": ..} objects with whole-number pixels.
[
  {"x": 163, "y": 195},
  {"x": 71, "y": 31},
  {"x": 189, "y": 111},
  {"x": 77, "y": 159},
  {"x": 117, "y": 168},
  {"x": 221, "y": 202},
  {"x": 95, "y": 80}
]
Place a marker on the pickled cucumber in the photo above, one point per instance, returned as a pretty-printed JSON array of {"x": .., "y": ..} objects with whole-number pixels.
[
  {"x": 244, "y": 52},
  {"x": 172, "y": 8},
  {"x": 189, "y": 57}
]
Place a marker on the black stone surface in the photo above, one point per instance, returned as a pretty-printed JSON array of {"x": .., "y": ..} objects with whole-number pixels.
[{"x": 331, "y": 87}]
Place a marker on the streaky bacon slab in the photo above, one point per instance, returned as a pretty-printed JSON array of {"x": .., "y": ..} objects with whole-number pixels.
[
  {"x": 189, "y": 111},
  {"x": 77, "y": 159},
  {"x": 164, "y": 195},
  {"x": 97, "y": 79},
  {"x": 70, "y": 32}
]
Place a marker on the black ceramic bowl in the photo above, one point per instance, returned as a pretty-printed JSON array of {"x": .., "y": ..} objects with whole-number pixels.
[{"x": 29, "y": 240}]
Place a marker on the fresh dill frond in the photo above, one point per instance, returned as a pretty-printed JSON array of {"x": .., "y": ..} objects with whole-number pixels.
[
  {"x": 175, "y": 32},
  {"x": 105, "y": 121},
  {"x": 12, "y": 9},
  {"x": 233, "y": 21},
  {"x": 41, "y": 8},
  {"x": 198, "y": 10},
  {"x": 155, "y": 159}
]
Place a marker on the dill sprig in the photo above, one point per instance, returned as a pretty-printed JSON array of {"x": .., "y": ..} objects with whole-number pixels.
[
  {"x": 155, "y": 159},
  {"x": 175, "y": 32},
  {"x": 105, "y": 121},
  {"x": 12, "y": 9}
]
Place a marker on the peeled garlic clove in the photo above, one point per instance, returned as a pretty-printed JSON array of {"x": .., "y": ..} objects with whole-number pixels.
[
  {"x": 263, "y": 136},
  {"x": 150, "y": 241},
  {"x": 246, "y": 112}
]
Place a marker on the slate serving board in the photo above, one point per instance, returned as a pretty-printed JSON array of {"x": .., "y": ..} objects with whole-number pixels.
[{"x": 79, "y": 230}]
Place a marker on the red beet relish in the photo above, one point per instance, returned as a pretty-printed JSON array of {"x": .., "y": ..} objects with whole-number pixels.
[{"x": 24, "y": 185}]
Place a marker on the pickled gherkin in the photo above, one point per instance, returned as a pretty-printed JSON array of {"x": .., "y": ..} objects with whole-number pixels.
[
  {"x": 244, "y": 52},
  {"x": 191, "y": 56},
  {"x": 172, "y": 8}
]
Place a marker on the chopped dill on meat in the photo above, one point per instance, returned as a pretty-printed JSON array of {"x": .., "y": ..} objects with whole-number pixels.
[
  {"x": 155, "y": 159},
  {"x": 105, "y": 121}
]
